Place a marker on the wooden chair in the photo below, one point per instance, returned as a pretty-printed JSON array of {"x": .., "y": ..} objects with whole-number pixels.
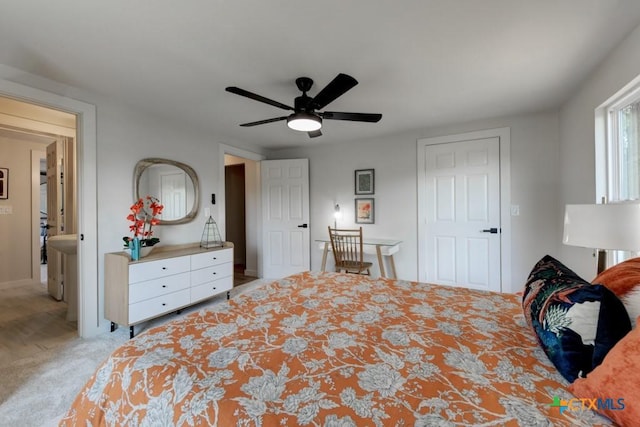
[{"x": 347, "y": 251}]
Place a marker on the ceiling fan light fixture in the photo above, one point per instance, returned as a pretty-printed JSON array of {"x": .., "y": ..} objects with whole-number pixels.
[{"x": 304, "y": 122}]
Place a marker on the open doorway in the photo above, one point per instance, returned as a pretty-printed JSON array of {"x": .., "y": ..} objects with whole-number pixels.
[
  {"x": 235, "y": 214},
  {"x": 26, "y": 130},
  {"x": 241, "y": 215},
  {"x": 90, "y": 317}
]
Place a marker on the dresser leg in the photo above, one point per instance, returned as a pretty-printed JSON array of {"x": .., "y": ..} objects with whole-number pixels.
[
  {"x": 113, "y": 326},
  {"x": 228, "y": 294},
  {"x": 179, "y": 312},
  {"x": 130, "y": 331}
]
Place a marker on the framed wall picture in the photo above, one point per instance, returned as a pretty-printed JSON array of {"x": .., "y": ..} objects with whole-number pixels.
[
  {"x": 365, "y": 181},
  {"x": 4, "y": 183},
  {"x": 365, "y": 209}
]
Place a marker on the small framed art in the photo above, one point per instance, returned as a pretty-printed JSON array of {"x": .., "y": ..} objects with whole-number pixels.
[
  {"x": 365, "y": 181},
  {"x": 365, "y": 211},
  {"x": 4, "y": 183}
]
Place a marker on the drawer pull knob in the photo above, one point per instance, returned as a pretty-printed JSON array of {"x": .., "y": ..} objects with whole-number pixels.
[
  {"x": 164, "y": 286},
  {"x": 164, "y": 268},
  {"x": 214, "y": 273},
  {"x": 214, "y": 288},
  {"x": 214, "y": 258},
  {"x": 163, "y": 304}
]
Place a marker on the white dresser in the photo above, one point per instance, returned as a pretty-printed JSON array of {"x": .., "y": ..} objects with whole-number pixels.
[{"x": 170, "y": 278}]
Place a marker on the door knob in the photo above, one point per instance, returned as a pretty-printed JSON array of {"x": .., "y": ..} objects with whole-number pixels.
[{"x": 490, "y": 230}]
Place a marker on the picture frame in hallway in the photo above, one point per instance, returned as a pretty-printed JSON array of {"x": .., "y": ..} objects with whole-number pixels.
[
  {"x": 365, "y": 181},
  {"x": 4, "y": 183},
  {"x": 365, "y": 211}
]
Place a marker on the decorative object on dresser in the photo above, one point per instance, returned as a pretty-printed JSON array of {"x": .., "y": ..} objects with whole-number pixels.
[
  {"x": 171, "y": 278},
  {"x": 211, "y": 235},
  {"x": 144, "y": 215}
]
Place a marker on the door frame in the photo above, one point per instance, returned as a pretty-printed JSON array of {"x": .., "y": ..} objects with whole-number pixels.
[
  {"x": 504, "y": 136},
  {"x": 220, "y": 199},
  {"x": 89, "y": 319}
]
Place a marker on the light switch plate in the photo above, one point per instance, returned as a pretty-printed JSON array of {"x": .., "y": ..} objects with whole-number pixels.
[
  {"x": 6, "y": 210},
  {"x": 515, "y": 210}
]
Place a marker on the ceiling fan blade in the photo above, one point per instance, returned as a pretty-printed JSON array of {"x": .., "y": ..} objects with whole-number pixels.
[
  {"x": 333, "y": 90},
  {"x": 262, "y": 122},
  {"x": 315, "y": 133},
  {"x": 257, "y": 97},
  {"x": 355, "y": 117}
]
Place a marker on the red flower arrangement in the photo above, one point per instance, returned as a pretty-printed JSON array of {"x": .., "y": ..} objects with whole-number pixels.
[{"x": 143, "y": 217}]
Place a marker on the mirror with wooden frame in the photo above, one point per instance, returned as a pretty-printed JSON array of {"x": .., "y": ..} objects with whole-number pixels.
[{"x": 174, "y": 183}]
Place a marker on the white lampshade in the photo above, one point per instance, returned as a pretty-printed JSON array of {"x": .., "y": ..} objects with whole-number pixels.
[
  {"x": 603, "y": 226},
  {"x": 304, "y": 122}
]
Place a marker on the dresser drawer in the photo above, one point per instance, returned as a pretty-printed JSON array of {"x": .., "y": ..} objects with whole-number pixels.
[
  {"x": 153, "y": 288},
  {"x": 210, "y": 289},
  {"x": 157, "y": 306},
  {"x": 153, "y": 269},
  {"x": 208, "y": 259},
  {"x": 211, "y": 273}
]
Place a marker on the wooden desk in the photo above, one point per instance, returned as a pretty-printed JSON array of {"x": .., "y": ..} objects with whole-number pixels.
[{"x": 381, "y": 247}]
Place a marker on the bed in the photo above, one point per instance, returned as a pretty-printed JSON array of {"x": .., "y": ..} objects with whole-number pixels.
[{"x": 329, "y": 349}]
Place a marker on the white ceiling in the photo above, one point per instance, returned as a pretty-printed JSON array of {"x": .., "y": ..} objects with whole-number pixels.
[{"x": 420, "y": 63}]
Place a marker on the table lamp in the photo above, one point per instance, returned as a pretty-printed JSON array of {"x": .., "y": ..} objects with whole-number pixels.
[{"x": 610, "y": 226}]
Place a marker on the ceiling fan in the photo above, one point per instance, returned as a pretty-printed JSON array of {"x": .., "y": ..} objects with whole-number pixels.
[{"x": 305, "y": 116}]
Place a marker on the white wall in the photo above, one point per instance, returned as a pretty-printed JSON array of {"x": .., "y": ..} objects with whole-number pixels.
[
  {"x": 534, "y": 187},
  {"x": 577, "y": 141}
]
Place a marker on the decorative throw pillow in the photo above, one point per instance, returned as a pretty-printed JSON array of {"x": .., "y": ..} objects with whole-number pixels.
[
  {"x": 624, "y": 280},
  {"x": 576, "y": 323},
  {"x": 616, "y": 382}
]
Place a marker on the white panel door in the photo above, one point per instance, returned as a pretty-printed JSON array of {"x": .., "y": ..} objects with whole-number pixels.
[
  {"x": 285, "y": 217},
  {"x": 462, "y": 185}
]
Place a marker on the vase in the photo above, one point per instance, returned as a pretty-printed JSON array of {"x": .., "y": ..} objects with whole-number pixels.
[
  {"x": 145, "y": 250},
  {"x": 134, "y": 245}
]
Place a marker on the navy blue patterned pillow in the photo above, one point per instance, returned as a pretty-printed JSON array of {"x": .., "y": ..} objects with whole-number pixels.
[{"x": 576, "y": 323}]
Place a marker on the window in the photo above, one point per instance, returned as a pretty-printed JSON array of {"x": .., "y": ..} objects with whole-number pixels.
[
  {"x": 620, "y": 153},
  {"x": 624, "y": 146}
]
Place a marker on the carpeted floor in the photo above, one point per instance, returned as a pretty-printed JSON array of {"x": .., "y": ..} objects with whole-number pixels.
[{"x": 38, "y": 390}]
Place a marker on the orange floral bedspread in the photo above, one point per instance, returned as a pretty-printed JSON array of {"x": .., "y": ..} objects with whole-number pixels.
[{"x": 327, "y": 349}]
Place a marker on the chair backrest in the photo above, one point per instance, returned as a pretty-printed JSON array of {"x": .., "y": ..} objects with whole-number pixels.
[{"x": 346, "y": 245}]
